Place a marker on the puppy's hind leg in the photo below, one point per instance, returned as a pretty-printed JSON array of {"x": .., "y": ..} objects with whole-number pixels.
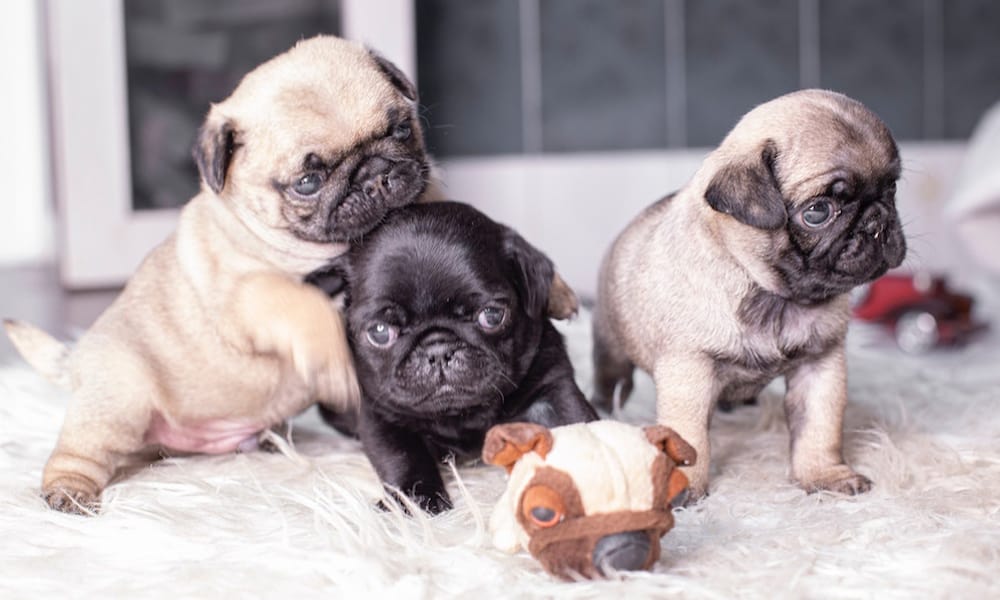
[
  {"x": 105, "y": 426},
  {"x": 612, "y": 368}
]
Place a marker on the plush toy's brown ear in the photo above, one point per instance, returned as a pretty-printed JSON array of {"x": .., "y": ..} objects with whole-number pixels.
[
  {"x": 668, "y": 441},
  {"x": 507, "y": 443},
  {"x": 749, "y": 191}
]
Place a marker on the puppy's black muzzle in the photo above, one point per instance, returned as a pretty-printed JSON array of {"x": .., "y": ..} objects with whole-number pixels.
[
  {"x": 438, "y": 349},
  {"x": 382, "y": 180},
  {"x": 438, "y": 359}
]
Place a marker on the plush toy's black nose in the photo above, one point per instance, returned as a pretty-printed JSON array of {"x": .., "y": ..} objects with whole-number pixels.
[{"x": 625, "y": 551}]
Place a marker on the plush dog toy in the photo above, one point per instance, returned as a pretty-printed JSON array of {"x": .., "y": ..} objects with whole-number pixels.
[{"x": 587, "y": 497}]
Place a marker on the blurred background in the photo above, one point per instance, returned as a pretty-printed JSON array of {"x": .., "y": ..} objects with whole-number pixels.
[{"x": 562, "y": 118}]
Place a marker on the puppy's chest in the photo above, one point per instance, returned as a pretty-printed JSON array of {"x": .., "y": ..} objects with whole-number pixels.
[{"x": 772, "y": 335}]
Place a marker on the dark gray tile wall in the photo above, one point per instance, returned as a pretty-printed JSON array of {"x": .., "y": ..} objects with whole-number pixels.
[
  {"x": 739, "y": 54},
  {"x": 971, "y": 62},
  {"x": 928, "y": 67},
  {"x": 469, "y": 75},
  {"x": 603, "y": 74},
  {"x": 873, "y": 51}
]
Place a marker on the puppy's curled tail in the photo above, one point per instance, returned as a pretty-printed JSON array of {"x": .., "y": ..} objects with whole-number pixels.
[{"x": 42, "y": 351}]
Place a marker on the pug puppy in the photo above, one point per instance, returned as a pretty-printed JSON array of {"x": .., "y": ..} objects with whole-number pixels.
[
  {"x": 447, "y": 317},
  {"x": 743, "y": 276},
  {"x": 216, "y": 338}
]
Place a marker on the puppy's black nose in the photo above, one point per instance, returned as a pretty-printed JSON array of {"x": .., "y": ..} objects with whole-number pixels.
[
  {"x": 626, "y": 551},
  {"x": 875, "y": 229},
  {"x": 438, "y": 348},
  {"x": 373, "y": 176}
]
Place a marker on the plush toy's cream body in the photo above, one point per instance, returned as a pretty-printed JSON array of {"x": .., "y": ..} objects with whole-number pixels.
[{"x": 585, "y": 497}]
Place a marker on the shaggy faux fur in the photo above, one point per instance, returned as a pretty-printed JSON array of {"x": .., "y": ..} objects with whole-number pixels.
[{"x": 300, "y": 523}]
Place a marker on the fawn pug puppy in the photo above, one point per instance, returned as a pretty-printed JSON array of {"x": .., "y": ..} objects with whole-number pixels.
[
  {"x": 216, "y": 338},
  {"x": 742, "y": 276},
  {"x": 448, "y": 315}
]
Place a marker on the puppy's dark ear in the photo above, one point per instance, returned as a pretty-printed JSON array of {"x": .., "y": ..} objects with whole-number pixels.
[
  {"x": 400, "y": 81},
  {"x": 749, "y": 191},
  {"x": 533, "y": 273},
  {"x": 333, "y": 278},
  {"x": 213, "y": 152}
]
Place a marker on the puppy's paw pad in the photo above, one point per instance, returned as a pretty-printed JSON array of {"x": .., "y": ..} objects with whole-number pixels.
[
  {"x": 852, "y": 486},
  {"x": 435, "y": 505},
  {"x": 849, "y": 483},
  {"x": 689, "y": 498},
  {"x": 71, "y": 501}
]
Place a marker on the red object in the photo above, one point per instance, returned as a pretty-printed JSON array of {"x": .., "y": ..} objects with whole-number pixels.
[{"x": 920, "y": 309}]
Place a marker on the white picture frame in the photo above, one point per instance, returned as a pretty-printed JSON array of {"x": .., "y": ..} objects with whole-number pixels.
[{"x": 100, "y": 238}]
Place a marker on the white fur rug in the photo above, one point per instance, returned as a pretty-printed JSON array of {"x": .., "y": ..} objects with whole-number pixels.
[{"x": 300, "y": 524}]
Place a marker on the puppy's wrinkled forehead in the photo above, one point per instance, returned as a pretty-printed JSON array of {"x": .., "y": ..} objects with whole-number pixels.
[
  {"x": 429, "y": 272},
  {"x": 819, "y": 136},
  {"x": 325, "y": 94}
]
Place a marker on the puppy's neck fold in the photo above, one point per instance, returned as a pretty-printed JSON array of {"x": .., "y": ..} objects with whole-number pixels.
[{"x": 252, "y": 244}]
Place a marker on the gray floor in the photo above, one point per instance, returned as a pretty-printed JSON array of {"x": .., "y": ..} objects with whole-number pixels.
[{"x": 33, "y": 294}]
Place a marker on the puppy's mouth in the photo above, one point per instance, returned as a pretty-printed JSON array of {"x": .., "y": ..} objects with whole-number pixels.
[
  {"x": 359, "y": 202},
  {"x": 452, "y": 400},
  {"x": 373, "y": 195},
  {"x": 875, "y": 247},
  {"x": 445, "y": 376},
  {"x": 874, "y": 244}
]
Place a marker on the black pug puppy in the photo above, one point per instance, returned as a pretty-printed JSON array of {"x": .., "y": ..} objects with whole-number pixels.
[{"x": 446, "y": 312}]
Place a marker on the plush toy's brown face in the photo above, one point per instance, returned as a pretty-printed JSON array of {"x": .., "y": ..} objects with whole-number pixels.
[{"x": 585, "y": 519}]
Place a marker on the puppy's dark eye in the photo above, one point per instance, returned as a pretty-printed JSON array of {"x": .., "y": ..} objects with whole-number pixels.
[
  {"x": 381, "y": 335},
  {"x": 402, "y": 131},
  {"x": 308, "y": 184},
  {"x": 491, "y": 318},
  {"x": 818, "y": 213}
]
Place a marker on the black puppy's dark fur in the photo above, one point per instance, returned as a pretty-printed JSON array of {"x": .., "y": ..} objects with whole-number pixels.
[{"x": 427, "y": 272}]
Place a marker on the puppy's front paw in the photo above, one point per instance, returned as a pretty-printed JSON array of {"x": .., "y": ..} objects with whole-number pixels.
[
  {"x": 697, "y": 489},
  {"x": 840, "y": 479},
  {"x": 433, "y": 504},
  {"x": 322, "y": 358},
  {"x": 690, "y": 497},
  {"x": 72, "y": 495}
]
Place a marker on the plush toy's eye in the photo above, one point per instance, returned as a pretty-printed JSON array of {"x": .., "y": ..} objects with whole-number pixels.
[
  {"x": 491, "y": 317},
  {"x": 543, "y": 515},
  {"x": 381, "y": 334},
  {"x": 542, "y": 506}
]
